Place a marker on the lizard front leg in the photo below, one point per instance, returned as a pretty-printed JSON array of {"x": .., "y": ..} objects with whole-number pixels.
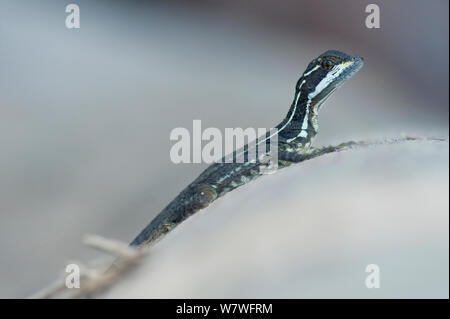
[{"x": 306, "y": 154}]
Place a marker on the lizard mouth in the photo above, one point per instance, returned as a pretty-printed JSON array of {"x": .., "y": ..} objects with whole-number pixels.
[
  {"x": 341, "y": 75},
  {"x": 358, "y": 63}
]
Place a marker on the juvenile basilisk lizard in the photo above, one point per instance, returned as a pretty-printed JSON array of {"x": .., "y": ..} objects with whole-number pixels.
[{"x": 295, "y": 133}]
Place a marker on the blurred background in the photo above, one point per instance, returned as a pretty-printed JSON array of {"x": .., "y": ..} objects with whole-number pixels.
[{"x": 85, "y": 114}]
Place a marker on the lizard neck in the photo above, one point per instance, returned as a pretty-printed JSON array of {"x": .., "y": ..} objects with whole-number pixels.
[{"x": 300, "y": 124}]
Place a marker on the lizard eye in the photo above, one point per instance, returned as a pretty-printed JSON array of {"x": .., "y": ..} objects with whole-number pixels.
[{"x": 327, "y": 64}]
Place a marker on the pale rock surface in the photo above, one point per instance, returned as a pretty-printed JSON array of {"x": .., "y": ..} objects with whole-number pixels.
[{"x": 310, "y": 230}]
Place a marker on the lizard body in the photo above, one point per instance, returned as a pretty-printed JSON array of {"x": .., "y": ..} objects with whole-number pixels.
[{"x": 294, "y": 136}]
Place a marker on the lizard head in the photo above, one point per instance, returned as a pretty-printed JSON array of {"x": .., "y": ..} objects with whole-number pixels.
[
  {"x": 325, "y": 74},
  {"x": 321, "y": 78}
]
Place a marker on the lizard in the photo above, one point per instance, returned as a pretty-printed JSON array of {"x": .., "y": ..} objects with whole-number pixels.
[{"x": 294, "y": 135}]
